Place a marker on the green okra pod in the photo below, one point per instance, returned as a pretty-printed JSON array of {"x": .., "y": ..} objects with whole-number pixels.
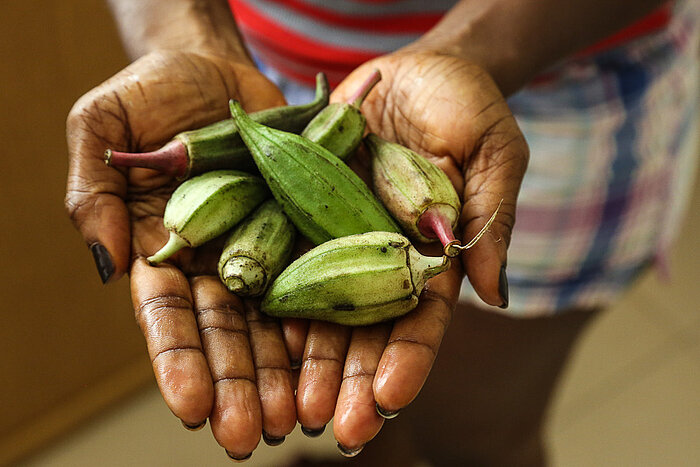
[
  {"x": 418, "y": 194},
  {"x": 257, "y": 250},
  {"x": 206, "y": 206},
  {"x": 339, "y": 127},
  {"x": 354, "y": 280},
  {"x": 322, "y": 196},
  {"x": 219, "y": 146}
]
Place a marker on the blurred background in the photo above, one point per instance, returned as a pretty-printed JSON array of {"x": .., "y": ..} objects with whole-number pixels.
[{"x": 77, "y": 388}]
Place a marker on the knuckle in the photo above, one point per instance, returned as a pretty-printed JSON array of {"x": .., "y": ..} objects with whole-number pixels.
[
  {"x": 77, "y": 112},
  {"x": 154, "y": 309},
  {"x": 75, "y": 203}
]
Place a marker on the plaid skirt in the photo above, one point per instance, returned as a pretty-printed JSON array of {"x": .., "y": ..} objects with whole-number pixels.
[{"x": 614, "y": 144}]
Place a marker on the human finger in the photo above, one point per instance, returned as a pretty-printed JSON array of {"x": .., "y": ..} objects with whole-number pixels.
[
  {"x": 321, "y": 374},
  {"x": 95, "y": 193},
  {"x": 236, "y": 414},
  {"x": 414, "y": 342},
  {"x": 273, "y": 375},
  {"x": 294, "y": 331},
  {"x": 356, "y": 420},
  {"x": 164, "y": 311},
  {"x": 492, "y": 175}
]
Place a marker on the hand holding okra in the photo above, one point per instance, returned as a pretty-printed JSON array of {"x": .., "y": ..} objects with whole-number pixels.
[
  {"x": 416, "y": 104},
  {"x": 191, "y": 323},
  {"x": 451, "y": 112}
]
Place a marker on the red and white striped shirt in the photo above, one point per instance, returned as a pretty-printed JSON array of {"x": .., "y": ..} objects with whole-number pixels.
[{"x": 299, "y": 38}]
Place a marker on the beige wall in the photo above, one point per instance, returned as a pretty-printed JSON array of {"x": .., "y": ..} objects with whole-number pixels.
[{"x": 69, "y": 345}]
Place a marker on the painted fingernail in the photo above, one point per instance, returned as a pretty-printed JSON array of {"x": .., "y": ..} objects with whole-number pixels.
[
  {"x": 195, "y": 427},
  {"x": 236, "y": 458},
  {"x": 313, "y": 433},
  {"x": 103, "y": 261},
  {"x": 346, "y": 452},
  {"x": 503, "y": 287},
  {"x": 271, "y": 440},
  {"x": 388, "y": 414},
  {"x": 295, "y": 364}
]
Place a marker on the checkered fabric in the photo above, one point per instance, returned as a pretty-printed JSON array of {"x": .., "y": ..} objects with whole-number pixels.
[{"x": 614, "y": 145}]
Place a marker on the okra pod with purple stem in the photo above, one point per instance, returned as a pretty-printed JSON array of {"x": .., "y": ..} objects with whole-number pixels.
[
  {"x": 418, "y": 194},
  {"x": 219, "y": 146}
]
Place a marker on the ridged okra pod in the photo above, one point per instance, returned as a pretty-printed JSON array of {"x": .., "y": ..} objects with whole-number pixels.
[
  {"x": 322, "y": 196},
  {"x": 355, "y": 280},
  {"x": 206, "y": 206},
  {"x": 418, "y": 194},
  {"x": 219, "y": 146},
  {"x": 257, "y": 250},
  {"x": 339, "y": 127}
]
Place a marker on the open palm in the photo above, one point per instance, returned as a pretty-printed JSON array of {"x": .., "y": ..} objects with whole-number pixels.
[
  {"x": 451, "y": 112},
  {"x": 196, "y": 331}
]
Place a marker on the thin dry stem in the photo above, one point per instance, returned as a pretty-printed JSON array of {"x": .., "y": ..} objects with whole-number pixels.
[{"x": 453, "y": 248}]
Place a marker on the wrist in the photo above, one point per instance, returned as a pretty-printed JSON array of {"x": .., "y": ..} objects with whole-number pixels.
[
  {"x": 473, "y": 31},
  {"x": 198, "y": 26},
  {"x": 514, "y": 41}
]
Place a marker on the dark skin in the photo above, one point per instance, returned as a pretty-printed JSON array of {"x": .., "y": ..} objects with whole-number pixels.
[
  {"x": 193, "y": 62},
  {"x": 485, "y": 156},
  {"x": 192, "y": 324}
]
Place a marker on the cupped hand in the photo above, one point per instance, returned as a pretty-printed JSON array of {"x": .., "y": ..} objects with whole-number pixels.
[
  {"x": 451, "y": 112},
  {"x": 198, "y": 334}
]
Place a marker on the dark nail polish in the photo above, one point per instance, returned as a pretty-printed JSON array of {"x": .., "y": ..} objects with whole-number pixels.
[
  {"x": 313, "y": 433},
  {"x": 295, "y": 364},
  {"x": 388, "y": 414},
  {"x": 236, "y": 458},
  {"x": 349, "y": 452},
  {"x": 195, "y": 427},
  {"x": 271, "y": 440},
  {"x": 103, "y": 261},
  {"x": 503, "y": 287}
]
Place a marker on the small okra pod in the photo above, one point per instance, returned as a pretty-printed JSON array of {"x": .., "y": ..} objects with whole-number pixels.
[
  {"x": 206, "y": 206},
  {"x": 416, "y": 192},
  {"x": 419, "y": 195},
  {"x": 219, "y": 146},
  {"x": 354, "y": 280},
  {"x": 340, "y": 126},
  {"x": 257, "y": 250}
]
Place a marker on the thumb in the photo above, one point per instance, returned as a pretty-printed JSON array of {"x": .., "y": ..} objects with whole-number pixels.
[
  {"x": 95, "y": 196},
  {"x": 493, "y": 174}
]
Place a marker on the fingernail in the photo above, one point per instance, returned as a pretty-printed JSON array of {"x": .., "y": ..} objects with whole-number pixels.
[
  {"x": 388, "y": 414},
  {"x": 313, "y": 433},
  {"x": 503, "y": 287},
  {"x": 103, "y": 261},
  {"x": 271, "y": 440},
  {"x": 349, "y": 452},
  {"x": 236, "y": 458},
  {"x": 195, "y": 427},
  {"x": 295, "y": 364}
]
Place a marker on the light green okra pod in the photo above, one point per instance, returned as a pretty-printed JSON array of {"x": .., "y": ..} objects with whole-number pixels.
[
  {"x": 257, "y": 250},
  {"x": 354, "y": 280},
  {"x": 417, "y": 193},
  {"x": 206, "y": 206}
]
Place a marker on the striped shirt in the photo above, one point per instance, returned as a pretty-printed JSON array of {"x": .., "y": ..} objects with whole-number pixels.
[{"x": 299, "y": 38}]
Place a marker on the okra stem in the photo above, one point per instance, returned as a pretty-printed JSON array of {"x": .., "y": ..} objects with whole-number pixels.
[
  {"x": 175, "y": 243},
  {"x": 359, "y": 96},
  {"x": 433, "y": 223},
  {"x": 171, "y": 159}
]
